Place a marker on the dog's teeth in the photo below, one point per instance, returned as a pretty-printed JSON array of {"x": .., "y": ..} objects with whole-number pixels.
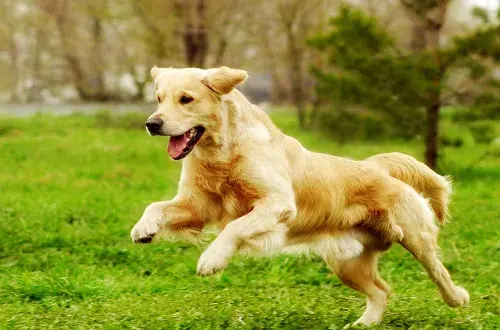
[{"x": 192, "y": 132}]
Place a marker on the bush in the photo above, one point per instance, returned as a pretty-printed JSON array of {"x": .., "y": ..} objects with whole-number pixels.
[
  {"x": 448, "y": 141},
  {"x": 351, "y": 125},
  {"x": 494, "y": 150},
  {"x": 130, "y": 120},
  {"x": 455, "y": 135},
  {"x": 5, "y": 128},
  {"x": 490, "y": 111},
  {"x": 484, "y": 131}
]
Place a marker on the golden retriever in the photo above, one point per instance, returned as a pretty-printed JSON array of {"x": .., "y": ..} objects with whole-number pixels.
[{"x": 268, "y": 194}]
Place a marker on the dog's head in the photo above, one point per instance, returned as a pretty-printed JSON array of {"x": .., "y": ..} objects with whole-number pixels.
[{"x": 189, "y": 104}]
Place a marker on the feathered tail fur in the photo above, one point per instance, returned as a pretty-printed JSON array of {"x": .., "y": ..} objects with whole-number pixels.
[{"x": 433, "y": 186}]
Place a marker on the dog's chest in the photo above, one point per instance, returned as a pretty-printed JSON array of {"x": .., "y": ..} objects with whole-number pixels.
[
  {"x": 235, "y": 195},
  {"x": 225, "y": 184}
]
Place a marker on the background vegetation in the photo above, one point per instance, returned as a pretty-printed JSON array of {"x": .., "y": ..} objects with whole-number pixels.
[{"x": 391, "y": 65}]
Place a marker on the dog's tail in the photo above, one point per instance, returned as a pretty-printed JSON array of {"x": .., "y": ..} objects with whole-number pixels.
[{"x": 433, "y": 186}]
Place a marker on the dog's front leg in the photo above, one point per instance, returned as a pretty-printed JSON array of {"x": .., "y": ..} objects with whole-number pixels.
[
  {"x": 264, "y": 217},
  {"x": 159, "y": 215}
]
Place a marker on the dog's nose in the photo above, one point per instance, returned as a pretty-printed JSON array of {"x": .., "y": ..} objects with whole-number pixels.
[{"x": 154, "y": 125}]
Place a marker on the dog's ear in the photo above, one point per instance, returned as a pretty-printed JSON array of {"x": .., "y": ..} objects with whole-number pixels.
[
  {"x": 223, "y": 80},
  {"x": 154, "y": 72}
]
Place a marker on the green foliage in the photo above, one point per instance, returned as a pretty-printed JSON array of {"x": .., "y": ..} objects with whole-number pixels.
[
  {"x": 366, "y": 70},
  {"x": 477, "y": 69},
  {"x": 485, "y": 108},
  {"x": 484, "y": 131},
  {"x": 453, "y": 135},
  {"x": 106, "y": 119},
  {"x": 487, "y": 105},
  {"x": 481, "y": 14},
  {"x": 350, "y": 125},
  {"x": 71, "y": 191},
  {"x": 485, "y": 42}
]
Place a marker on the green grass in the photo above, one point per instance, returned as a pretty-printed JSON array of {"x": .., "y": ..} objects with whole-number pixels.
[{"x": 71, "y": 188}]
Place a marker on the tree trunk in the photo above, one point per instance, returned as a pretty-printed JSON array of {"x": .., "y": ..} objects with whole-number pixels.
[
  {"x": 315, "y": 108},
  {"x": 14, "y": 59},
  {"x": 279, "y": 92},
  {"x": 97, "y": 76},
  {"x": 61, "y": 12},
  {"x": 33, "y": 94},
  {"x": 431, "y": 140},
  {"x": 418, "y": 38},
  {"x": 434, "y": 23},
  {"x": 429, "y": 20},
  {"x": 140, "y": 84},
  {"x": 195, "y": 33},
  {"x": 219, "y": 57},
  {"x": 201, "y": 35},
  {"x": 190, "y": 44},
  {"x": 296, "y": 78}
]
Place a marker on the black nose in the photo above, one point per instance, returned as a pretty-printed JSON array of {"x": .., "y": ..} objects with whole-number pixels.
[{"x": 154, "y": 125}]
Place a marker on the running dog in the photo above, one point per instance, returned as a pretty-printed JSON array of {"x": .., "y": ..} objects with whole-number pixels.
[{"x": 268, "y": 194}]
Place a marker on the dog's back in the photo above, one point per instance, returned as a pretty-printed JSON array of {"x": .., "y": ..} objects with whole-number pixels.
[{"x": 418, "y": 175}]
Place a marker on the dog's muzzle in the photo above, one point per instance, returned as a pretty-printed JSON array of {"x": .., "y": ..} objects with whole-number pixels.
[{"x": 154, "y": 125}]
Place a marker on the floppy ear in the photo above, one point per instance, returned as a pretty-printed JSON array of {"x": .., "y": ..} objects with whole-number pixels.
[{"x": 223, "y": 80}]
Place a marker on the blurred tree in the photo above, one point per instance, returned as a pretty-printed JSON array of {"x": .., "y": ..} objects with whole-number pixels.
[
  {"x": 279, "y": 34},
  {"x": 143, "y": 32},
  {"x": 430, "y": 17},
  {"x": 39, "y": 44},
  {"x": 102, "y": 50},
  {"x": 157, "y": 21},
  {"x": 194, "y": 33},
  {"x": 97, "y": 12},
  {"x": 81, "y": 52},
  {"x": 367, "y": 68},
  {"x": 60, "y": 12},
  {"x": 10, "y": 44},
  {"x": 294, "y": 23}
]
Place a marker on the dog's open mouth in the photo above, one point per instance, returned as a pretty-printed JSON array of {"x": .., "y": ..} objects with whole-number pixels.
[{"x": 181, "y": 145}]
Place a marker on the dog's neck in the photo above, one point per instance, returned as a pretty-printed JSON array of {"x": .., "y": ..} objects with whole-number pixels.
[{"x": 237, "y": 114}]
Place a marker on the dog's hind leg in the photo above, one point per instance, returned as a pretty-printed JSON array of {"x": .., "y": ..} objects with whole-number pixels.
[
  {"x": 420, "y": 238},
  {"x": 360, "y": 273},
  {"x": 424, "y": 248}
]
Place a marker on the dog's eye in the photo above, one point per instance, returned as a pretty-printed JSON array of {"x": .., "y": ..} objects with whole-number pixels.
[
  {"x": 186, "y": 99},
  {"x": 158, "y": 98}
]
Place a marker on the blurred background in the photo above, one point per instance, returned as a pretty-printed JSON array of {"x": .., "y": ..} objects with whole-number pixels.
[
  {"x": 380, "y": 68},
  {"x": 351, "y": 78},
  {"x": 360, "y": 69}
]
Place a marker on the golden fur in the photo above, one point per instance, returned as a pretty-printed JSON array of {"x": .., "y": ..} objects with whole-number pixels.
[{"x": 270, "y": 195}]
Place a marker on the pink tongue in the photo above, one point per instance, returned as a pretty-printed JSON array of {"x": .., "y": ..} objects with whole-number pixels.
[{"x": 177, "y": 144}]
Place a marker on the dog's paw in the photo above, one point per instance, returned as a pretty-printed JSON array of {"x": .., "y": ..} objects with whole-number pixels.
[
  {"x": 465, "y": 296},
  {"x": 145, "y": 230},
  {"x": 361, "y": 323},
  {"x": 370, "y": 317},
  {"x": 460, "y": 298},
  {"x": 212, "y": 261}
]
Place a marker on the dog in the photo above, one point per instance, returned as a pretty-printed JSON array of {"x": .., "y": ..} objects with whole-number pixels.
[{"x": 268, "y": 194}]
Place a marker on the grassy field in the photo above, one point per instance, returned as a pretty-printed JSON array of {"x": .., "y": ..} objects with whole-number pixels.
[{"x": 71, "y": 188}]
